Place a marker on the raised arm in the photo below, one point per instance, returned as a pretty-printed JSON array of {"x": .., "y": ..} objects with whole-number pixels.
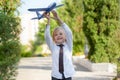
[
  {"x": 48, "y": 37},
  {"x": 68, "y": 31}
]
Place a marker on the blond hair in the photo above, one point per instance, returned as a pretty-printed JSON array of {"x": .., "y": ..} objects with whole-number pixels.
[{"x": 57, "y": 28}]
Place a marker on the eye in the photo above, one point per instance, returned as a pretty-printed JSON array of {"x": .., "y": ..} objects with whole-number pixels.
[
  {"x": 61, "y": 33},
  {"x": 55, "y": 34}
]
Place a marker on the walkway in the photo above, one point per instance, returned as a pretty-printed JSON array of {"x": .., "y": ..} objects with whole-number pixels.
[{"x": 39, "y": 68}]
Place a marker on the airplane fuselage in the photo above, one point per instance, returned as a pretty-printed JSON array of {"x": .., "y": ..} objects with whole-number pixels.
[{"x": 47, "y": 10}]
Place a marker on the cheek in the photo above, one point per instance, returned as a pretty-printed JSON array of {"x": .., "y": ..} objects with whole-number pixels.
[
  {"x": 64, "y": 37},
  {"x": 55, "y": 38}
]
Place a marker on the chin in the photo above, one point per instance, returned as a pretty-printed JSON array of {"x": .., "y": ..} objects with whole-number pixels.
[{"x": 59, "y": 42}]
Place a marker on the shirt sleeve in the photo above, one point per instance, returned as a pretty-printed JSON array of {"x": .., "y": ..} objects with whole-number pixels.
[
  {"x": 69, "y": 37},
  {"x": 48, "y": 38}
]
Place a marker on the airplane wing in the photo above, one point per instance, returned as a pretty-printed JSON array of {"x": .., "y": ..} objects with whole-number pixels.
[
  {"x": 38, "y": 9},
  {"x": 59, "y": 5},
  {"x": 47, "y": 10},
  {"x": 38, "y": 17},
  {"x": 34, "y": 18}
]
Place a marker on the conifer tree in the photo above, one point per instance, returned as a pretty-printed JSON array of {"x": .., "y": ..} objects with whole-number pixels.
[
  {"x": 9, "y": 39},
  {"x": 101, "y": 29}
]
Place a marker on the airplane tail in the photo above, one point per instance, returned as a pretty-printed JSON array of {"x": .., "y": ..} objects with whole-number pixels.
[
  {"x": 39, "y": 15},
  {"x": 34, "y": 18}
]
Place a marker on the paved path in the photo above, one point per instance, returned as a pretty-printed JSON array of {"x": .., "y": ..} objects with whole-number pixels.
[{"x": 39, "y": 68}]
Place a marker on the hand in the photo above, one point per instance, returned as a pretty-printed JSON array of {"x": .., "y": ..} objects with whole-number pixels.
[
  {"x": 55, "y": 15},
  {"x": 46, "y": 15}
]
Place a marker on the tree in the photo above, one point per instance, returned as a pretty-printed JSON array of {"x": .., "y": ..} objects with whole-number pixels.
[
  {"x": 9, "y": 39},
  {"x": 101, "y": 29}
]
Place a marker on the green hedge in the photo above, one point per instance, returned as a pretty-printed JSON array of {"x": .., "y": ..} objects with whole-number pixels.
[
  {"x": 102, "y": 29},
  {"x": 9, "y": 46}
]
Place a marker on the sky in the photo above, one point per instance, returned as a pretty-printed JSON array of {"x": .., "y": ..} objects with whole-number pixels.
[{"x": 26, "y": 4}]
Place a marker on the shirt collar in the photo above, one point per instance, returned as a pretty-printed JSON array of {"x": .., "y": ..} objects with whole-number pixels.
[{"x": 62, "y": 43}]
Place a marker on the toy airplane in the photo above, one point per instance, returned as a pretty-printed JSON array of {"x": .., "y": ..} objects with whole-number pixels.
[{"x": 47, "y": 10}]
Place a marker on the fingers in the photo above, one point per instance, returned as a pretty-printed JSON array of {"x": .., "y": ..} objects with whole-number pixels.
[
  {"x": 55, "y": 15},
  {"x": 46, "y": 15},
  {"x": 54, "y": 12}
]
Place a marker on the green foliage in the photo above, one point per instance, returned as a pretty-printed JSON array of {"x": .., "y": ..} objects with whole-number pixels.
[
  {"x": 26, "y": 51},
  {"x": 9, "y": 40},
  {"x": 39, "y": 39},
  {"x": 9, "y": 7},
  {"x": 38, "y": 50},
  {"x": 102, "y": 29},
  {"x": 100, "y": 26},
  {"x": 36, "y": 46}
]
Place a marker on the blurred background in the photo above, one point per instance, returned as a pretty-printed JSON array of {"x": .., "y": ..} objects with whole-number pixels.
[
  {"x": 95, "y": 25},
  {"x": 32, "y": 35}
]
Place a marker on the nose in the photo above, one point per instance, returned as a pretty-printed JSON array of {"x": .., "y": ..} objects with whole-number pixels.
[{"x": 59, "y": 35}]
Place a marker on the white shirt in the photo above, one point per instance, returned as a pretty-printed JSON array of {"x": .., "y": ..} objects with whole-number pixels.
[{"x": 67, "y": 53}]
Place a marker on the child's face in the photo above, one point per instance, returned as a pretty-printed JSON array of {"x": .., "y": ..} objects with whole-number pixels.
[{"x": 59, "y": 36}]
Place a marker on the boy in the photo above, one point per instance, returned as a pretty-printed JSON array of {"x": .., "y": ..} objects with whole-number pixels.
[{"x": 60, "y": 45}]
